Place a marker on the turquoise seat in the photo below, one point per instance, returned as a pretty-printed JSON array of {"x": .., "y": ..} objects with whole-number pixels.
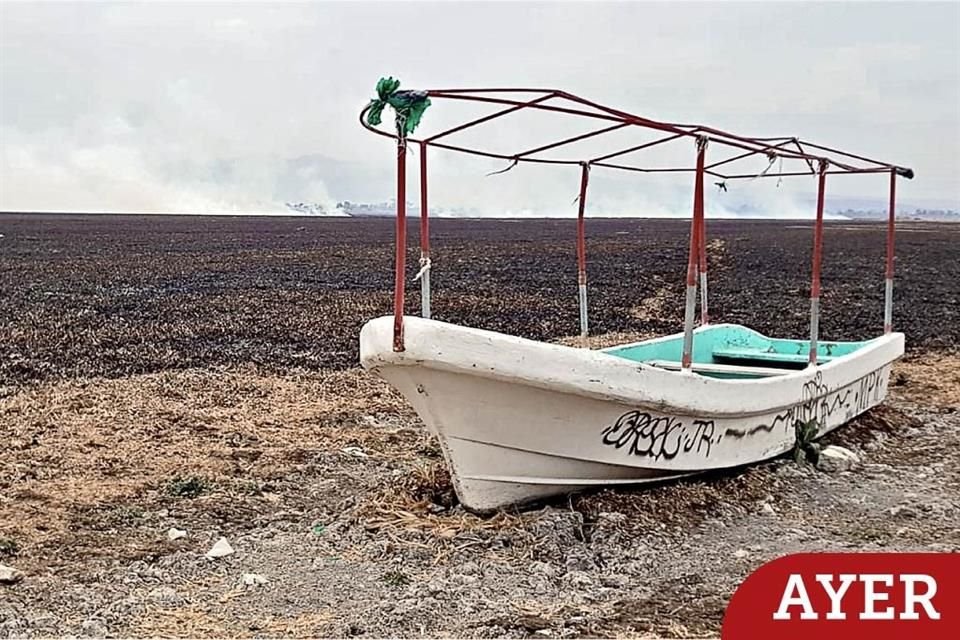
[{"x": 759, "y": 355}]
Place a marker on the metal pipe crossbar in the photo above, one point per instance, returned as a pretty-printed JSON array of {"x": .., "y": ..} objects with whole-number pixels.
[{"x": 828, "y": 161}]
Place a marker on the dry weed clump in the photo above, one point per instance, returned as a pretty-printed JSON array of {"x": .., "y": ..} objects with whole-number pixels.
[{"x": 424, "y": 504}]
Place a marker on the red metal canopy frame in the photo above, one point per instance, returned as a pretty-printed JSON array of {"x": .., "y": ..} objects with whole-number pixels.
[{"x": 813, "y": 159}]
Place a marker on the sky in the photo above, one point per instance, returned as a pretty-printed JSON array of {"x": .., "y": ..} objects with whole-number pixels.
[{"x": 239, "y": 107}]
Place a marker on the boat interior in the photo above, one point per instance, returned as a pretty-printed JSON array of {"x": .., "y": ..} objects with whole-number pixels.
[{"x": 733, "y": 351}]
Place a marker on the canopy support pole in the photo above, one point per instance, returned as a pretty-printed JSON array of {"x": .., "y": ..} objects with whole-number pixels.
[
  {"x": 817, "y": 254},
  {"x": 582, "y": 251},
  {"x": 425, "y": 264},
  {"x": 704, "y": 314},
  {"x": 695, "y": 237},
  {"x": 401, "y": 253},
  {"x": 891, "y": 222}
]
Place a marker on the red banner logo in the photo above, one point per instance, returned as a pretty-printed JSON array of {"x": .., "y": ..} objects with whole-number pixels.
[{"x": 848, "y": 596}]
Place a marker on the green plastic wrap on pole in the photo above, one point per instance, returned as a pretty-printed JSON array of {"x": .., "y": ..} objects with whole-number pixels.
[{"x": 407, "y": 105}]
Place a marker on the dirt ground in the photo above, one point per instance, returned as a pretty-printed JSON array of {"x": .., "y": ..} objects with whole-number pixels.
[
  {"x": 335, "y": 500},
  {"x": 326, "y": 486}
]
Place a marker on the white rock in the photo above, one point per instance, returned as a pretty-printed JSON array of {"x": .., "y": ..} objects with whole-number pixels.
[
  {"x": 741, "y": 553},
  {"x": 175, "y": 534},
  {"x": 220, "y": 549},
  {"x": 165, "y": 596},
  {"x": 768, "y": 509},
  {"x": 253, "y": 579},
  {"x": 356, "y": 452},
  {"x": 834, "y": 459},
  {"x": 9, "y": 575},
  {"x": 435, "y": 587}
]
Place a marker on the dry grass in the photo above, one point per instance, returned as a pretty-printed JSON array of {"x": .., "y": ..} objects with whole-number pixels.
[
  {"x": 931, "y": 379},
  {"x": 105, "y": 449},
  {"x": 196, "y": 621},
  {"x": 95, "y": 454},
  {"x": 416, "y": 512},
  {"x": 656, "y": 306},
  {"x": 606, "y": 340}
]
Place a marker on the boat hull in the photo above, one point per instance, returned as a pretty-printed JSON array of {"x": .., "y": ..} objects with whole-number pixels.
[{"x": 520, "y": 420}]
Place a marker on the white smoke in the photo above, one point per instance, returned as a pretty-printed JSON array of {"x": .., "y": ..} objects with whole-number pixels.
[
  {"x": 115, "y": 177},
  {"x": 464, "y": 189}
]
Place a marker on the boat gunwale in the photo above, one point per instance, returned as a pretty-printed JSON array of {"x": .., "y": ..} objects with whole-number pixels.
[{"x": 683, "y": 393}]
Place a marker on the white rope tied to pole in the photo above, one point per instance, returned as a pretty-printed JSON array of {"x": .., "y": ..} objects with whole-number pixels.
[
  {"x": 424, "y": 268},
  {"x": 772, "y": 158}
]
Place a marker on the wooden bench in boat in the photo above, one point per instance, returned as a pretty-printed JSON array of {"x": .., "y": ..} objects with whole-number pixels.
[
  {"x": 719, "y": 369},
  {"x": 755, "y": 355}
]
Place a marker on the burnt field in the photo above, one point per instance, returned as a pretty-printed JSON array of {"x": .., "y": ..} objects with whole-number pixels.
[
  {"x": 166, "y": 382},
  {"x": 117, "y": 295}
]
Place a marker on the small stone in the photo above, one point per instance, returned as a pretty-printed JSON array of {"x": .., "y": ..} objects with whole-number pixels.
[
  {"x": 469, "y": 568},
  {"x": 166, "y": 596},
  {"x": 768, "y": 509},
  {"x": 613, "y": 517},
  {"x": 541, "y": 587},
  {"x": 616, "y": 581},
  {"x": 834, "y": 459},
  {"x": 355, "y": 452},
  {"x": 163, "y": 513},
  {"x": 740, "y": 554},
  {"x": 220, "y": 549},
  {"x": 543, "y": 568},
  {"x": 9, "y": 575},
  {"x": 175, "y": 534},
  {"x": 93, "y": 628},
  {"x": 253, "y": 579},
  {"x": 579, "y": 579},
  {"x": 903, "y": 511}
]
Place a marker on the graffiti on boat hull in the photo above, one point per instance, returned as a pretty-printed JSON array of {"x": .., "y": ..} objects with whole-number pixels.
[
  {"x": 818, "y": 403},
  {"x": 644, "y": 434},
  {"x": 650, "y": 435}
]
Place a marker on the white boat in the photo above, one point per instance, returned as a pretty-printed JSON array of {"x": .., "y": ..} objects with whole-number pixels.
[{"x": 520, "y": 420}]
